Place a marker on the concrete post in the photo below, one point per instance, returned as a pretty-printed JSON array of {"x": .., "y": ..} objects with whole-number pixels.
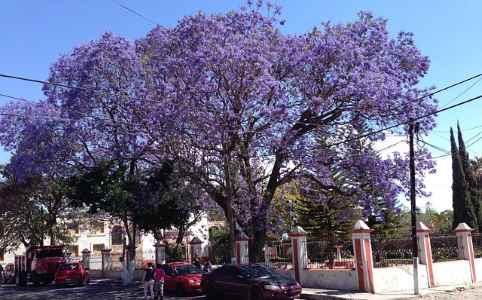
[
  {"x": 362, "y": 248},
  {"x": 425, "y": 251},
  {"x": 466, "y": 247},
  {"x": 242, "y": 249},
  {"x": 267, "y": 256},
  {"x": 160, "y": 252},
  {"x": 338, "y": 252},
  {"x": 299, "y": 253},
  {"x": 196, "y": 248},
  {"x": 86, "y": 258},
  {"x": 106, "y": 260}
]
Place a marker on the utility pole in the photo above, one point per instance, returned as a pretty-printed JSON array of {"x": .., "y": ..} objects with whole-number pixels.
[{"x": 413, "y": 203}]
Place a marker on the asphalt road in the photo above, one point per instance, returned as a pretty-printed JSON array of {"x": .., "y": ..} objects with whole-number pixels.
[{"x": 97, "y": 289}]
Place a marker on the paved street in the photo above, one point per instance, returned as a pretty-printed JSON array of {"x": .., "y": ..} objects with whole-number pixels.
[{"x": 98, "y": 290}]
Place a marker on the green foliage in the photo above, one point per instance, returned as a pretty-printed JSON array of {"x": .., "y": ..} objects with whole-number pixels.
[
  {"x": 219, "y": 245},
  {"x": 465, "y": 192}
]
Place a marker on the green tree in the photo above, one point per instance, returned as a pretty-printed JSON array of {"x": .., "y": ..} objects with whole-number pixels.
[{"x": 461, "y": 200}]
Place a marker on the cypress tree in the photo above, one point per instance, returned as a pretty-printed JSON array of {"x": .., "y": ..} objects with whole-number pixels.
[
  {"x": 470, "y": 178},
  {"x": 461, "y": 200}
]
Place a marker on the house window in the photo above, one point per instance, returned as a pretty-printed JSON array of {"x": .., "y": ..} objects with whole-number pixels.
[
  {"x": 73, "y": 228},
  {"x": 117, "y": 234},
  {"x": 97, "y": 248},
  {"x": 2, "y": 254}
]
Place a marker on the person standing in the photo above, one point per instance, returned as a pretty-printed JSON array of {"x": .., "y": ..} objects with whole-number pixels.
[
  {"x": 159, "y": 276},
  {"x": 149, "y": 282},
  {"x": 207, "y": 266}
]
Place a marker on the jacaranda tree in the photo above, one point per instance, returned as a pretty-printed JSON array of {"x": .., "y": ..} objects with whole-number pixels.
[{"x": 245, "y": 108}]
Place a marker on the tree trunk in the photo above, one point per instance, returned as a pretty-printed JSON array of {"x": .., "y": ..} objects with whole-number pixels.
[
  {"x": 258, "y": 241},
  {"x": 232, "y": 227}
]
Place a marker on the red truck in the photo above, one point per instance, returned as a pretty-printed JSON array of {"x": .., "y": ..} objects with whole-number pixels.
[{"x": 39, "y": 264}]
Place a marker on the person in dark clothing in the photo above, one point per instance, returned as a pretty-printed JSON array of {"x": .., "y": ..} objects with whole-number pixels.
[{"x": 149, "y": 282}]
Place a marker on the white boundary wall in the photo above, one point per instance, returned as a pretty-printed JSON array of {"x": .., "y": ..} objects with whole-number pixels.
[
  {"x": 398, "y": 279},
  {"x": 455, "y": 272}
]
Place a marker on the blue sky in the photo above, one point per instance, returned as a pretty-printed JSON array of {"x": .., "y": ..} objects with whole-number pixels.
[{"x": 35, "y": 32}]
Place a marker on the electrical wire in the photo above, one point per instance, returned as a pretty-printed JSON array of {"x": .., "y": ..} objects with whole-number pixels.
[{"x": 132, "y": 11}]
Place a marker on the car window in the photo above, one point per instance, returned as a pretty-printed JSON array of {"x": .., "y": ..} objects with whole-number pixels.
[
  {"x": 168, "y": 270},
  {"x": 188, "y": 269},
  {"x": 254, "y": 271},
  {"x": 66, "y": 267}
]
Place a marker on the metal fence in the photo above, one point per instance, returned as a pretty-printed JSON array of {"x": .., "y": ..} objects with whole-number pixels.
[
  {"x": 325, "y": 254},
  {"x": 388, "y": 252},
  {"x": 477, "y": 242},
  {"x": 444, "y": 248},
  {"x": 95, "y": 262},
  {"x": 279, "y": 254}
]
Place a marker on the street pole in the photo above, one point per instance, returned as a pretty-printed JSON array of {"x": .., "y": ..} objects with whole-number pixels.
[{"x": 413, "y": 203}]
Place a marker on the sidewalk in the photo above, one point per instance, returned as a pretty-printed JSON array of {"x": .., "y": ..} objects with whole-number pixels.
[{"x": 445, "y": 292}]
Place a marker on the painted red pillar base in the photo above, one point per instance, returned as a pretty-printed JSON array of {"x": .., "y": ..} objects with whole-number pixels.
[
  {"x": 466, "y": 247},
  {"x": 425, "y": 251},
  {"x": 362, "y": 248},
  {"x": 299, "y": 254}
]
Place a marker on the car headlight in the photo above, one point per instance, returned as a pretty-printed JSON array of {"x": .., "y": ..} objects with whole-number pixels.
[{"x": 272, "y": 287}]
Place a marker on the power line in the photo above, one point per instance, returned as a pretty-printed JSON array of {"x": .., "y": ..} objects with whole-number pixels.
[
  {"x": 12, "y": 97},
  {"x": 132, "y": 11},
  {"x": 82, "y": 88},
  {"x": 405, "y": 122},
  {"x": 464, "y": 91}
]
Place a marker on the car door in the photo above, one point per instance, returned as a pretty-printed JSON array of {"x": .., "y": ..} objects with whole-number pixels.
[
  {"x": 170, "y": 278},
  {"x": 233, "y": 283}
]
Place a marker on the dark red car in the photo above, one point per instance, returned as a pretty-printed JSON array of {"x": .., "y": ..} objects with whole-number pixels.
[
  {"x": 72, "y": 272},
  {"x": 252, "y": 282},
  {"x": 183, "y": 278}
]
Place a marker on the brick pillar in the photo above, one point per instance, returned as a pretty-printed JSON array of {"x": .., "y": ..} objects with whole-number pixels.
[
  {"x": 362, "y": 248},
  {"x": 425, "y": 251},
  {"x": 242, "y": 249},
  {"x": 160, "y": 252},
  {"x": 86, "y": 258},
  {"x": 465, "y": 247},
  {"x": 299, "y": 254},
  {"x": 106, "y": 260}
]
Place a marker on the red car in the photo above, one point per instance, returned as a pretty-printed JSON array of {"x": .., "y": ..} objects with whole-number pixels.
[
  {"x": 72, "y": 272},
  {"x": 183, "y": 278}
]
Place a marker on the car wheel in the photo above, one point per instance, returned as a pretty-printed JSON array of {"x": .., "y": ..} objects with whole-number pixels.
[
  {"x": 210, "y": 295},
  {"x": 256, "y": 295}
]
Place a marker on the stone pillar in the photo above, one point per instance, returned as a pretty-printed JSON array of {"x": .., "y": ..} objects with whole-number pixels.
[
  {"x": 425, "y": 251},
  {"x": 242, "y": 249},
  {"x": 465, "y": 247},
  {"x": 299, "y": 254},
  {"x": 338, "y": 252},
  {"x": 196, "y": 248},
  {"x": 160, "y": 252},
  {"x": 267, "y": 256},
  {"x": 362, "y": 248},
  {"x": 106, "y": 260},
  {"x": 86, "y": 258}
]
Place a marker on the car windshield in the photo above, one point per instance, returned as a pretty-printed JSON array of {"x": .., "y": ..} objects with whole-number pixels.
[
  {"x": 65, "y": 267},
  {"x": 50, "y": 253},
  {"x": 255, "y": 271},
  {"x": 188, "y": 269}
]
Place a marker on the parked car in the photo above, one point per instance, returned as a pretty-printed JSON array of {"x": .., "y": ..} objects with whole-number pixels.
[
  {"x": 72, "y": 272},
  {"x": 254, "y": 282},
  {"x": 9, "y": 274},
  {"x": 183, "y": 278}
]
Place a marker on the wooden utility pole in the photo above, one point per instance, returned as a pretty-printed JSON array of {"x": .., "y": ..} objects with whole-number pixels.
[{"x": 413, "y": 203}]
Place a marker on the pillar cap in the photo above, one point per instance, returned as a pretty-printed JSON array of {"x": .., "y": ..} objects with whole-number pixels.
[
  {"x": 361, "y": 227},
  {"x": 463, "y": 227},
  {"x": 421, "y": 227},
  {"x": 195, "y": 241},
  {"x": 160, "y": 243},
  {"x": 241, "y": 236},
  {"x": 106, "y": 250},
  {"x": 298, "y": 231},
  {"x": 86, "y": 250}
]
